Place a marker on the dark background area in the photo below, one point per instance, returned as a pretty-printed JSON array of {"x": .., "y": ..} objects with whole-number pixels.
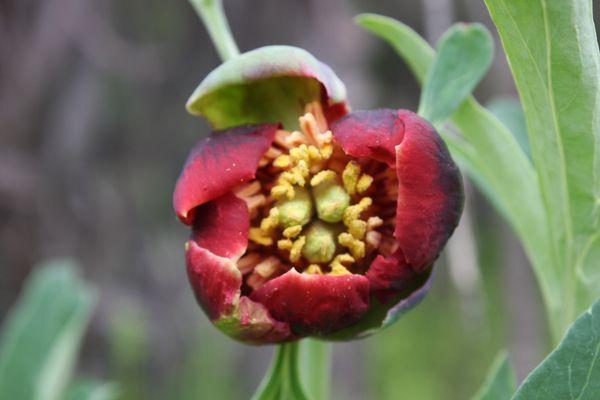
[{"x": 93, "y": 133}]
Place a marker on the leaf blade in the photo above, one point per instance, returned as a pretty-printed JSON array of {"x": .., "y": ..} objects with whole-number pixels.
[
  {"x": 572, "y": 370},
  {"x": 464, "y": 55},
  {"x": 553, "y": 54},
  {"x": 42, "y": 334},
  {"x": 500, "y": 383}
]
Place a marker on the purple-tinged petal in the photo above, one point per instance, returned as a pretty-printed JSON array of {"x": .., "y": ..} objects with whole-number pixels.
[
  {"x": 382, "y": 314},
  {"x": 315, "y": 304},
  {"x": 217, "y": 164},
  {"x": 430, "y": 193},
  {"x": 389, "y": 275},
  {"x": 269, "y": 84}
]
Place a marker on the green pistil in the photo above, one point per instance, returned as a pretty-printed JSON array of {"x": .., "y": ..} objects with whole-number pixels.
[
  {"x": 296, "y": 211},
  {"x": 320, "y": 243},
  {"x": 331, "y": 200}
]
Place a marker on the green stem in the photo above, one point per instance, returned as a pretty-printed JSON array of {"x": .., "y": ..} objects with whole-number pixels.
[
  {"x": 282, "y": 380},
  {"x": 316, "y": 368},
  {"x": 213, "y": 16}
]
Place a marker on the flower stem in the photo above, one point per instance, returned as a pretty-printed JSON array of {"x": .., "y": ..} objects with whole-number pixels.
[
  {"x": 316, "y": 368},
  {"x": 282, "y": 380},
  {"x": 213, "y": 16}
]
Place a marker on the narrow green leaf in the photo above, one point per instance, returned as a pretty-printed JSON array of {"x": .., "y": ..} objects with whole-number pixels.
[
  {"x": 553, "y": 53},
  {"x": 41, "y": 336},
  {"x": 510, "y": 112},
  {"x": 500, "y": 383},
  {"x": 464, "y": 54},
  {"x": 493, "y": 157},
  {"x": 572, "y": 370},
  {"x": 91, "y": 390}
]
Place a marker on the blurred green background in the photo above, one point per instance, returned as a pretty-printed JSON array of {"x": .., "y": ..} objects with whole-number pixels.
[{"x": 93, "y": 133}]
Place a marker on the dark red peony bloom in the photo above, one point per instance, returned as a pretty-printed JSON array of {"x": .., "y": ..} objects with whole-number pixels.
[{"x": 308, "y": 220}]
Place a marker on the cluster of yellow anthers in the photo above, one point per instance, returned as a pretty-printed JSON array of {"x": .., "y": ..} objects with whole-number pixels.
[{"x": 310, "y": 178}]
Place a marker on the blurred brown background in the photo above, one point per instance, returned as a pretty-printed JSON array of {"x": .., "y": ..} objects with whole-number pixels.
[{"x": 93, "y": 133}]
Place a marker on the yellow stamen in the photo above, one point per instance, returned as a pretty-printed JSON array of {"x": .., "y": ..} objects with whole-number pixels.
[
  {"x": 314, "y": 154},
  {"x": 292, "y": 231},
  {"x": 296, "y": 250},
  {"x": 326, "y": 151},
  {"x": 284, "y": 244},
  {"x": 258, "y": 236},
  {"x": 364, "y": 183},
  {"x": 283, "y": 161},
  {"x": 313, "y": 269},
  {"x": 299, "y": 153},
  {"x": 337, "y": 265},
  {"x": 284, "y": 189},
  {"x": 356, "y": 247},
  {"x": 269, "y": 223},
  {"x": 358, "y": 229},
  {"x": 323, "y": 176},
  {"x": 350, "y": 177},
  {"x": 353, "y": 212}
]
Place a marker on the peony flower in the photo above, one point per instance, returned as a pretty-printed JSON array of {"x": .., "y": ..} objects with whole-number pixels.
[{"x": 308, "y": 219}]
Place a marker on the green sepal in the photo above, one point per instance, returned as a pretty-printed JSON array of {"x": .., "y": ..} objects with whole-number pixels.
[{"x": 271, "y": 84}]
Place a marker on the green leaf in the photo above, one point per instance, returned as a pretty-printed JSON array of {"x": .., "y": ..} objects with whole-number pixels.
[
  {"x": 510, "y": 112},
  {"x": 553, "y": 53},
  {"x": 464, "y": 55},
  {"x": 572, "y": 370},
  {"x": 491, "y": 156},
  {"x": 282, "y": 380},
  {"x": 500, "y": 383},
  {"x": 41, "y": 336},
  {"x": 91, "y": 390}
]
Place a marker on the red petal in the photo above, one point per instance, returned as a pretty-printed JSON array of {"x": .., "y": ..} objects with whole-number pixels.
[
  {"x": 389, "y": 275},
  {"x": 220, "y": 236},
  {"x": 252, "y": 323},
  {"x": 370, "y": 134},
  {"x": 315, "y": 304},
  {"x": 430, "y": 195},
  {"x": 216, "y": 280},
  {"x": 218, "y": 163},
  {"x": 221, "y": 226}
]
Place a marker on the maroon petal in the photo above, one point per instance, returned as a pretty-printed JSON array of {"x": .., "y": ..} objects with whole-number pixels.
[
  {"x": 315, "y": 304},
  {"x": 430, "y": 195},
  {"x": 221, "y": 226},
  {"x": 216, "y": 280},
  {"x": 252, "y": 323},
  {"x": 218, "y": 163},
  {"x": 389, "y": 275},
  {"x": 370, "y": 134},
  {"x": 219, "y": 238}
]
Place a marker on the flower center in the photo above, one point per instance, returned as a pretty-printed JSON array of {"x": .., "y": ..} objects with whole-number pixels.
[{"x": 318, "y": 213}]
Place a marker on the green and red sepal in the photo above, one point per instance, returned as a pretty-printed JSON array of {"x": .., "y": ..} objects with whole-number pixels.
[{"x": 271, "y": 84}]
